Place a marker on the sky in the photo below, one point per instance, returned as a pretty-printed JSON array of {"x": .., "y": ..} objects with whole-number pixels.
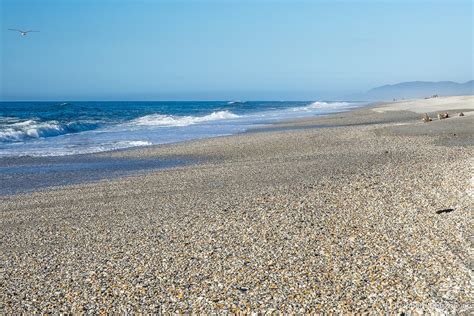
[{"x": 228, "y": 50}]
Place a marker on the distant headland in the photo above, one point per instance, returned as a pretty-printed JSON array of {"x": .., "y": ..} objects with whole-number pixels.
[{"x": 416, "y": 89}]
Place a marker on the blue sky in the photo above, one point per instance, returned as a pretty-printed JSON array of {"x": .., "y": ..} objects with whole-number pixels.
[{"x": 194, "y": 50}]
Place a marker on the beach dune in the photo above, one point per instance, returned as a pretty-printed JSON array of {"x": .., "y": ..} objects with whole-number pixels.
[{"x": 436, "y": 104}]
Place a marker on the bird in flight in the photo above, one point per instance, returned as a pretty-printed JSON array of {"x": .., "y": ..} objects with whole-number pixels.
[{"x": 23, "y": 33}]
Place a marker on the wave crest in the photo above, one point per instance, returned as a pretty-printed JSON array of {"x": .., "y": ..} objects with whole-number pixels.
[
  {"x": 323, "y": 106},
  {"x": 30, "y": 129},
  {"x": 171, "y": 120}
]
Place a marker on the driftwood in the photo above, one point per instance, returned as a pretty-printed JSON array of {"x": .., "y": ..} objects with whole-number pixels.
[{"x": 446, "y": 210}]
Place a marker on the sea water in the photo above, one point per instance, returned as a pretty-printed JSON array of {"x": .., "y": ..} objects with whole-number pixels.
[{"x": 66, "y": 128}]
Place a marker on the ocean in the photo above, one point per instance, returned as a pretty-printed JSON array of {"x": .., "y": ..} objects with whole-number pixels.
[{"x": 67, "y": 128}]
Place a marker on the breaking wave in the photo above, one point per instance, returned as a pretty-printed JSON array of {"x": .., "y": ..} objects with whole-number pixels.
[
  {"x": 172, "y": 120},
  {"x": 323, "y": 106},
  {"x": 30, "y": 129},
  {"x": 14, "y": 130}
]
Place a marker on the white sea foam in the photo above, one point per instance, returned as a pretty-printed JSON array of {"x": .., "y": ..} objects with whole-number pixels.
[
  {"x": 172, "y": 120},
  {"x": 132, "y": 143},
  {"x": 31, "y": 129},
  {"x": 319, "y": 105},
  {"x": 73, "y": 150}
]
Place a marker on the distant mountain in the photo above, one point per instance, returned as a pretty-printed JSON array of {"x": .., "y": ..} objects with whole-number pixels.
[{"x": 417, "y": 89}]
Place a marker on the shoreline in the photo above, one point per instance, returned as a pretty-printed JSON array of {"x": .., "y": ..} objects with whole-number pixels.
[
  {"x": 130, "y": 126},
  {"x": 36, "y": 173},
  {"x": 339, "y": 219}
]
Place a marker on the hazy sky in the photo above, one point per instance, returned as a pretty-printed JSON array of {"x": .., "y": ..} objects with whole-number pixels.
[{"x": 279, "y": 50}]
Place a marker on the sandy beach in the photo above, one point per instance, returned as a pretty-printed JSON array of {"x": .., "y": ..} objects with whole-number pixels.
[{"x": 363, "y": 211}]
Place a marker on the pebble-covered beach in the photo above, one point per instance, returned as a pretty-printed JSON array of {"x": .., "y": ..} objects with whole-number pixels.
[{"x": 371, "y": 211}]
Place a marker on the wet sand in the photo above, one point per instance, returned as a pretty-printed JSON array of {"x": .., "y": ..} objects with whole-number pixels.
[
  {"x": 29, "y": 174},
  {"x": 371, "y": 213}
]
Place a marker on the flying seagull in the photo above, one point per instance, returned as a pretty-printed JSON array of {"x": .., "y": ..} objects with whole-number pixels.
[{"x": 23, "y": 33}]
